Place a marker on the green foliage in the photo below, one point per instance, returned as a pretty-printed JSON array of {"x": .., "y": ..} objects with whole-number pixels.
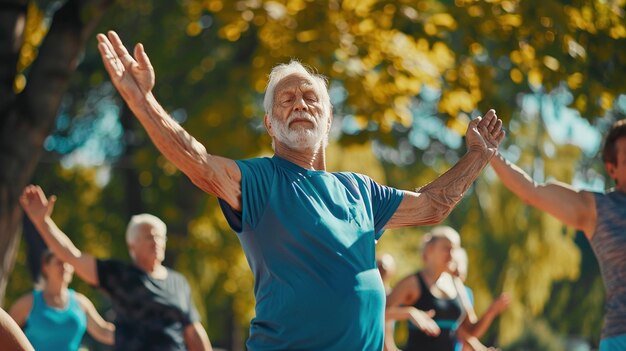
[
  {"x": 580, "y": 301},
  {"x": 212, "y": 58},
  {"x": 480, "y": 53},
  {"x": 537, "y": 335}
]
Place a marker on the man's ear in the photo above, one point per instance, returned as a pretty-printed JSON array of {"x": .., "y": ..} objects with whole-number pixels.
[
  {"x": 268, "y": 125},
  {"x": 130, "y": 246}
]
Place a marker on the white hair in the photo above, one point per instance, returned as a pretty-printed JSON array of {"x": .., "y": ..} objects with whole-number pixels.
[
  {"x": 137, "y": 221},
  {"x": 279, "y": 72}
]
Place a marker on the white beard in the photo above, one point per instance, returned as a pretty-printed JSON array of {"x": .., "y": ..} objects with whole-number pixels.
[{"x": 301, "y": 138}]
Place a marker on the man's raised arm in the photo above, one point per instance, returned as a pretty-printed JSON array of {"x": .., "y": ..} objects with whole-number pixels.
[
  {"x": 432, "y": 203},
  {"x": 134, "y": 78}
]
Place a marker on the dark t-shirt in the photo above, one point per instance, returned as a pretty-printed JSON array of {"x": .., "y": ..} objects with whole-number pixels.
[{"x": 151, "y": 314}]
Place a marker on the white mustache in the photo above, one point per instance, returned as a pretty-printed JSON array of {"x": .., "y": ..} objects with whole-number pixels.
[{"x": 301, "y": 115}]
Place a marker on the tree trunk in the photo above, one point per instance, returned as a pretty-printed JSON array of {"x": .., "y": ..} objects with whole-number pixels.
[
  {"x": 27, "y": 118},
  {"x": 134, "y": 203},
  {"x": 35, "y": 246}
]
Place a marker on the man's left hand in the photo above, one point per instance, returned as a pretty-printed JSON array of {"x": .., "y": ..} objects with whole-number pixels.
[{"x": 485, "y": 133}]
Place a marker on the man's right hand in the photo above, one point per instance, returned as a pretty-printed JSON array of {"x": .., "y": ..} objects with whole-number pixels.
[
  {"x": 485, "y": 134},
  {"x": 133, "y": 77},
  {"x": 35, "y": 204}
]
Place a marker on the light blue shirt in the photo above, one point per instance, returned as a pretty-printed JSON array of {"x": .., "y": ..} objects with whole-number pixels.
[{"x": 309, "y": 238}]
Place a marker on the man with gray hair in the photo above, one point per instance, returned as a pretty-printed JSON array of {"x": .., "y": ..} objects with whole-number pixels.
[
  {"x": 309, "y": 235},
  {"x": 152, "y": 303}
]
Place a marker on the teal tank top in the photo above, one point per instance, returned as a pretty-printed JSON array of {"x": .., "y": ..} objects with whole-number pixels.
[{"x": 54, "y": 329}]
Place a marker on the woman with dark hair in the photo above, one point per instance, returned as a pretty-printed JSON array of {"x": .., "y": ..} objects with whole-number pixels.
[{"x": 55, "y": 317}]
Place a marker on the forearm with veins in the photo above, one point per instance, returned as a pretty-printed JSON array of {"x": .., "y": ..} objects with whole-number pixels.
[{"x": 448, "y": 189}]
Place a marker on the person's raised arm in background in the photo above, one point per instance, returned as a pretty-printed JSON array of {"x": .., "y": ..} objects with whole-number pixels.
[{"x": 39, "y": 209}]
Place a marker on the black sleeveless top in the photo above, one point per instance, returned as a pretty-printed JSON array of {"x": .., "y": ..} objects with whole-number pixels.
[{"x": 447, "y": 315}]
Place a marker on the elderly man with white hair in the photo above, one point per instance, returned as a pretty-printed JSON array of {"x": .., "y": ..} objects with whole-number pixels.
[
  {"x": 152, "y": 303},
  {"x": 309, "y": 235}
]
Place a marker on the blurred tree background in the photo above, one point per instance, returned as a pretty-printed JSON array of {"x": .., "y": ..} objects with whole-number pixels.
[{"x": 405, "y": 76}]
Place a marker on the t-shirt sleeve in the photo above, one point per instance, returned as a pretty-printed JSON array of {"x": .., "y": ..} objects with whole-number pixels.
[
  {"x": 192, "y": 314},
  {"x": 385, "y": 201},
  {"x": 257, "y": 175},
  {"x": 110, "y": 273}
]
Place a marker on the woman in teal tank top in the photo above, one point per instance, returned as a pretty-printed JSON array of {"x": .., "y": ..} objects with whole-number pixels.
[{"x": 55, "y": 317}]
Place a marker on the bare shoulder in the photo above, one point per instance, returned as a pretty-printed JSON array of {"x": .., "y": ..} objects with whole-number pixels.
[
  {"x": 409, "y": 280},
  {"x": 407, "y": 290},
  {"x": 589, "y": 216},
  {"x": 24, "y": 301},
  {"x": 21, "y": 308},
  {"x": 84, "y": 301}
]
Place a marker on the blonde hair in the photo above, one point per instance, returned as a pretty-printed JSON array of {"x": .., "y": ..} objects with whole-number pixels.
[{"x": 441, "y": 232}]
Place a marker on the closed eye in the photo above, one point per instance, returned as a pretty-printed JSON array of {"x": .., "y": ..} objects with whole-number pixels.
[{"x": 310, "y": 98}]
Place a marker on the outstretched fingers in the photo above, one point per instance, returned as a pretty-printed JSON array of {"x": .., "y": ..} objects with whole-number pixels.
[
  {"x": 40, "y": 194},
  {"x": 495, "y": 127},
  {"x": 475, "y": 122},
  {"x": 25, "y": 196},
  {"x": 493, "y": 124},
  {"x": 500, "y": 136},
  {"x": 142, "y": 58},
  {"x": 487, "y": 120},
  {"x": 32, "y": 194},
  {"x": 115, "y": 57},
  {"x": 109, "y": 58},
  {"x": 120, "y": 49}
]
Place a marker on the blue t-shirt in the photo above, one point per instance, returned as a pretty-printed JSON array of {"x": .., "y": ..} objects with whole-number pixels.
[
  {"x": 55, "y": 329},
  {"x": 309, "y": 238}
]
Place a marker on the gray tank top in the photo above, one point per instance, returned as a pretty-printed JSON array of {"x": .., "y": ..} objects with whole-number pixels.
[{"x": 609, "y": 244}]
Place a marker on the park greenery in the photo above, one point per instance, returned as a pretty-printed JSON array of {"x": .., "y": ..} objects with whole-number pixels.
[{"x": 405, "y": 79}]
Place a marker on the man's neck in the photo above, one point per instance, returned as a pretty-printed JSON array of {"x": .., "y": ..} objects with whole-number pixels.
[
  {"x": 307, "y": 159},
  {"x": 155, "y": 270}
]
